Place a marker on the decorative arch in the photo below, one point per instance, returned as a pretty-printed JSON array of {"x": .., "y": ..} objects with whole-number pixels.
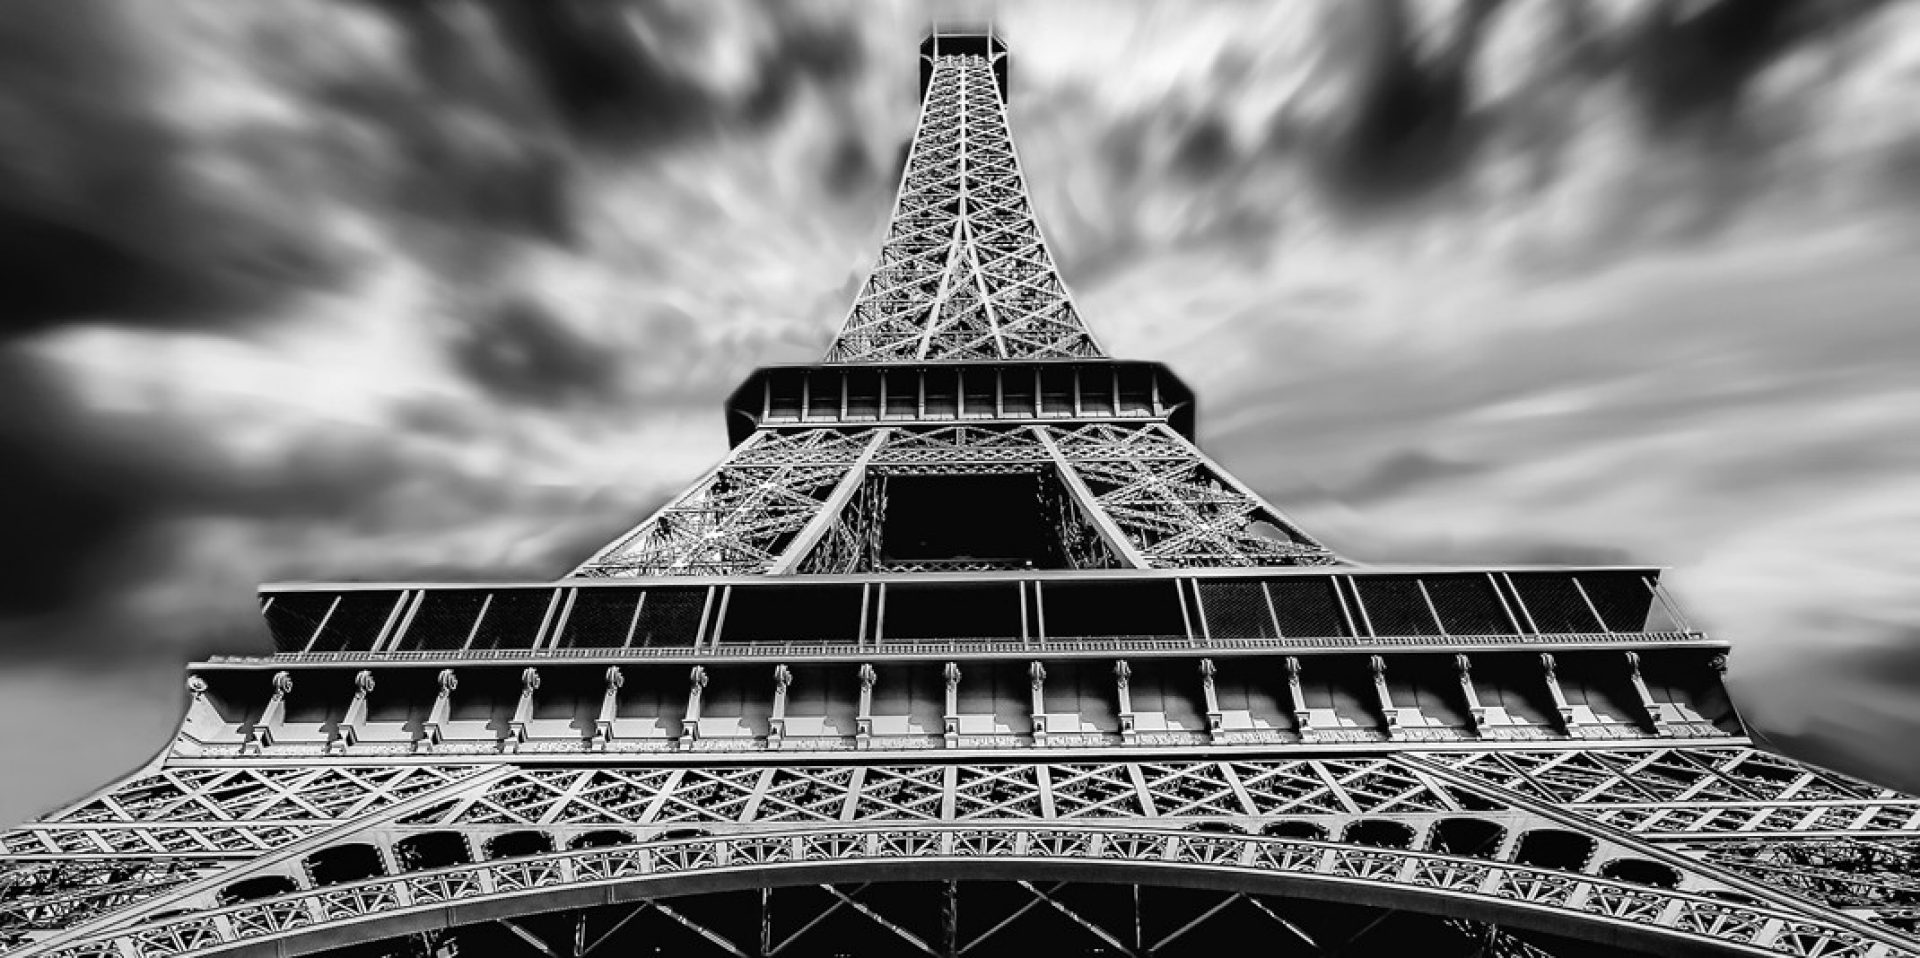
[
  {"x": 1475, "y": 837},
  {"x": 1640, "y": 871},
  {"x": 343, "y": 864},
  {"x": 1659, "y": 920},
  {"x": 602, "y": 838}
]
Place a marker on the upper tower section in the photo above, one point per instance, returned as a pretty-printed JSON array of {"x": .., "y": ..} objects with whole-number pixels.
[{"x": 963, "y": 273}]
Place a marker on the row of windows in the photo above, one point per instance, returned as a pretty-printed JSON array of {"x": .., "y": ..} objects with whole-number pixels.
[{"x": 1299, "y": 607}]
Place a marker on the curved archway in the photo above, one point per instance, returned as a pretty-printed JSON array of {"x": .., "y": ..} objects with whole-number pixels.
[
  {"x": 257, "y": 889},
  {"x": 340, "y": 864},
  {"x": 680, "y": 834},
  {"x": 1475, "y": 837},
  {"x": 1380, "y": 833},
  {"x": 1295, "y": 828},
  {"x": 521, "y": 844},
  {"x": 432, "y": 850},
  {"x": 1555, "y": 848},
  {"x": 1641, "y": 872},
  {"x": 602, "y": 838},
  {"x": 1396, "y": 880},
  {"x": 1218, "y": 828}
]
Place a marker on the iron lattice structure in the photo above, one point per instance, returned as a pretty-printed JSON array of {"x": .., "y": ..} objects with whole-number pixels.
[{"x": 966, "y": 645}]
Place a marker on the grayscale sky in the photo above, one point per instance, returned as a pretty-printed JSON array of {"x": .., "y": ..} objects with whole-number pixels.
[{"x": 454, "y": 290}]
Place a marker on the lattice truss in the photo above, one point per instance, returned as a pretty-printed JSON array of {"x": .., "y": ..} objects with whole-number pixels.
[
  {"x": 800, "y": 500},
  {"x": 1825, "y": 837},
  {"x": 155, "y": 831},
  {"x": 1748, "y": 841},
  {"x": 963, "y": 273}
]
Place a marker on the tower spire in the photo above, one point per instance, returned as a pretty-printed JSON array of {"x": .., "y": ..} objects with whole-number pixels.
[{"x": 964, "y": 273}]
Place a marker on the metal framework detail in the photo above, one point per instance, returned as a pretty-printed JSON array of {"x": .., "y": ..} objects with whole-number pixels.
[
  {"x": 1172, "y": 733},
  {"x": 963, "y": 273},
  {"x": 1154, "y": 498}
]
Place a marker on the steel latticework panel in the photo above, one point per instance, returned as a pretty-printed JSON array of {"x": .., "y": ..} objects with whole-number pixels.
[
  {"x": 963, "y": 273},
  {"x": 967, "y": 646}
]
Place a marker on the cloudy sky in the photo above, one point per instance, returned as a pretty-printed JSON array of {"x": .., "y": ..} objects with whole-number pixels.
[{"x": 299, "y": 289}]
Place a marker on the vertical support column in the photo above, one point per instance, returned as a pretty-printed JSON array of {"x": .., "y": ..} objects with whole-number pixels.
[
  {"x": 1549, "y": 671},
  {"x": 829, "y": 511},
  {"x": 1123, "y": 686},
  {"x": 348, "y": 731},
  {"x": 433, "y": 730},
  {"x": 1476, "y": 712},
  {"x": 950, "y": 921},
  {"x": 1378, "y": 666},
  {"x": 766, "y": 901},
  {"x": 523, "y": 710},
  {"x": 1646, "y": 697},
  {"x": 1089, "y": 504},
  {"x": 1037, "y": 678},
  {"x": 863, "y": 721},
  {"x": 777, "y": 723},
  {"x": 609, "y": 709},
  {"x": 1301, "y": 717},
  {"x": 1215, "y": 721},
  {"x": 690, "y": 723},
  {"x": 950, "y": 720},
  {"x": 272, "y": 716}
]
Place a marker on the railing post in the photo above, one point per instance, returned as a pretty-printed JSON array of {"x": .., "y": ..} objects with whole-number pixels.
[{"x": 777, "y": 723}]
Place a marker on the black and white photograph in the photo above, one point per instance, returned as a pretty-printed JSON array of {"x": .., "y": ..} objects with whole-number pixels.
[{"x": 959, "y": 478}]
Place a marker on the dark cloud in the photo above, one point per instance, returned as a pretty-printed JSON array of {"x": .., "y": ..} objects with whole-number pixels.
[
  {"x": 103, "y": 217},
  {"x": 521, "y": 352},
  {"x": 1406, "y": 124},
  {"x": 848, "y": 169},
  {"x": 593, "y": 66},
  {"x": 1694, "y": 64},
  {"x": 68, "y": 514},
  {"x": 609, "y": 70},
  {"x": 1406, "y": 470},
  {"x": 1205, "y": 149},
  {"x": 1865, "y": 725}
]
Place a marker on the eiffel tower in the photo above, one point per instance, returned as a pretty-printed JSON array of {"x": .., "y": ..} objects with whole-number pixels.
[{"x": 966, "y": 646}]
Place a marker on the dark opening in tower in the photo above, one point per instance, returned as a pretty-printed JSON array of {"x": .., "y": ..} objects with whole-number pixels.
[{"x": 949, "y": 522}]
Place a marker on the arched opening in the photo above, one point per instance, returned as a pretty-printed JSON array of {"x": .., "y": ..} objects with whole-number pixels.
[
  {"x": 1208, "y": 918},
  {"x": 432, "y": 850},
  {"x": 1295, "y": 828},
  {"x": 604, "y": 838},
  {"x": 1476, "y": 837},
  {"x": 1641, "y": 872},
  {"x": 254, "y": 889},
  {"x": 344, "y": 863},
  {"x": 1218, "y": 828},
  {"x": 679, "y": 834},
  {"x": 1380, "y": 833},
  {"x": 1553, "y": 848},
  {"x": 519, "y": 844}
]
